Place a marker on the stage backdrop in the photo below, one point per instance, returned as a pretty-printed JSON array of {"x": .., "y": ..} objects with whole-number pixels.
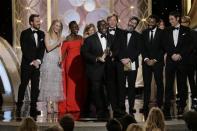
[{"x": 83, "y": 11}]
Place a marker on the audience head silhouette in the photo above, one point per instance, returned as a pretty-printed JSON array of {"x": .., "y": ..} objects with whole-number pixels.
[
  {"x": 28, "y": 124},
  {"x": 135, "y": 127},
  {"x": 155, "y": 120},
  {"x": 67, "y": 122},
  {"x": 113, "y": 125},
  {"x": 191, "y": 120},
  {"x": 126, "y": 121}
]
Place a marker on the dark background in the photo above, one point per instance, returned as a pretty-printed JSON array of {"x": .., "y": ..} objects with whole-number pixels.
[
  {"x": 160, "y": 8},
  {"x": 6, "y": 20}
]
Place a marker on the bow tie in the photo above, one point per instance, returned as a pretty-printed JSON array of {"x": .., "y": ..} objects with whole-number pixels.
[
  {"x": 129, "y": 32},
  {"x": 176, "y": 28},
  {"x": 35, "y": 31},
  {"x": 103, "y": 35},
  {"x": 112, "y": 29}
]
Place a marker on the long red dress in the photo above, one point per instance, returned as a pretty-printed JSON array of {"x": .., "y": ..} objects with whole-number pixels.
[{"x": 74, "y": 80}]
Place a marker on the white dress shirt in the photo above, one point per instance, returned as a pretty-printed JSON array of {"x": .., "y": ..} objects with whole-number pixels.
[
  {"x": 112, "y": 32},
  {"x": 128, "y": 38},
  {"x": 176, "y": 35},
  {"x": 154, "y": 30},
  {"x": 103, "y": 41},
  {"x": 36, "y": 40},
  {"x": 35, "y": 36}
]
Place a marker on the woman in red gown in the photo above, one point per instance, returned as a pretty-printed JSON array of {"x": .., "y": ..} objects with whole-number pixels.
[{"x": 74, "y": 81}]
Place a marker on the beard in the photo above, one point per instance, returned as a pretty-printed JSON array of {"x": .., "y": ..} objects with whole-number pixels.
[
  {"x": 36, "y": 27},
  {"x": 151, "y": 27},
  {"x": 131, "y": 28}
]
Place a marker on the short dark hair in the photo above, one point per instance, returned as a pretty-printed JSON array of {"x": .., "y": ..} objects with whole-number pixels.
[
  {"x": 67, "y": 122},
  {"x": 135, "y": 18},
  {"x": 113, "y": 15},
  {"x": 98, "y": 22},
  {"x": 113, "y": 125},
  {"x": 32, "y": 16},
  {"x": 175, "y": 14},
  {"x": 126, "y": 121},
  {"x": 71, "y": 23},
  {"x": 154, "y": 17}
]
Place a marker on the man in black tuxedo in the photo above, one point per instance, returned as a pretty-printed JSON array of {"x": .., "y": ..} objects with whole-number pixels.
[
  {"x": 178, "y": 46},
  {"x": 192, "y": 64},
  {"x": 94, "y": 51},
  {"x": 114, "y": 36},
  {"x": 128, "y": 63},
  {"x": 152, "y": 61},
  {"x": 32, "y": 46}
]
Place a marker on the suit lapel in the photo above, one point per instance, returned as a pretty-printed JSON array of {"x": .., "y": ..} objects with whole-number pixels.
[
  {"x": 116, "y": 33},
  {"x": 131, "y": 39},
  {"x": 156, "y": 36},
  {"x": 109, "y": 39},
  {"x": 98, "y": 43},
  {"x": 32, "y": 37},
  {"x": 171, "y": 36},
  {"x": 179, "y": 36},
  {"x": 147, "y": 37}
]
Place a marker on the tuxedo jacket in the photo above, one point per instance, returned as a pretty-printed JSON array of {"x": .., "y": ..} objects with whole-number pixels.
[
  {"x": 29, "y": 49},
  {"x": 114, "y": 42},
  {"x": 132, "y": 49},
  {"x": 90, "y": 50},
  {"x": 193, "y": 54},
  {"x": 183, "y": 47},
  {"x": 154, "y": 49}
]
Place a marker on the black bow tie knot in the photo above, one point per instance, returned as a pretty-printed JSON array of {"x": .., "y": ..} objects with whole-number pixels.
[
  {"x": 176, "y": 28},
  {"x": 112, "y": 29},
  {"x": 35, "y": 31},
  {"x": 129, "y": 32},
  {"x": 103, "y": 35}
]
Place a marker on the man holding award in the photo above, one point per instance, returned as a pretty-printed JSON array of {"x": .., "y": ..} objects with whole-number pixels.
[
  {"x": 128, "y": 64},
  {"x": 95, "y": 50}
]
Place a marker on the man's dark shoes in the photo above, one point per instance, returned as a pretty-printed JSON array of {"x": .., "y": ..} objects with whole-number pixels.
[
  {"x": 180, "y": 112},
  {"x": 34, "y": 112}
]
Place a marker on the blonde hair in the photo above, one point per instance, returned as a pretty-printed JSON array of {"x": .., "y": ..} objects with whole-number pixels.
[
  {"x": 186, "y": 19},
  {"x": 155, "y": 120},
  {"x": 51, "y": 27},
  {"x": 87, "y": 28},
  {"x": 28, "y": 124},
  {"x": 135, "y": 127}
]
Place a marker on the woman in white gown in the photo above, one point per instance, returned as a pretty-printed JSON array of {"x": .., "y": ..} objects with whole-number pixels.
[{"x": 51, "y": 89}]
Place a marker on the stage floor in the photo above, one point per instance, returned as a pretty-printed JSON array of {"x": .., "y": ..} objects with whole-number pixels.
[{"x": 8, "y": 122}]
